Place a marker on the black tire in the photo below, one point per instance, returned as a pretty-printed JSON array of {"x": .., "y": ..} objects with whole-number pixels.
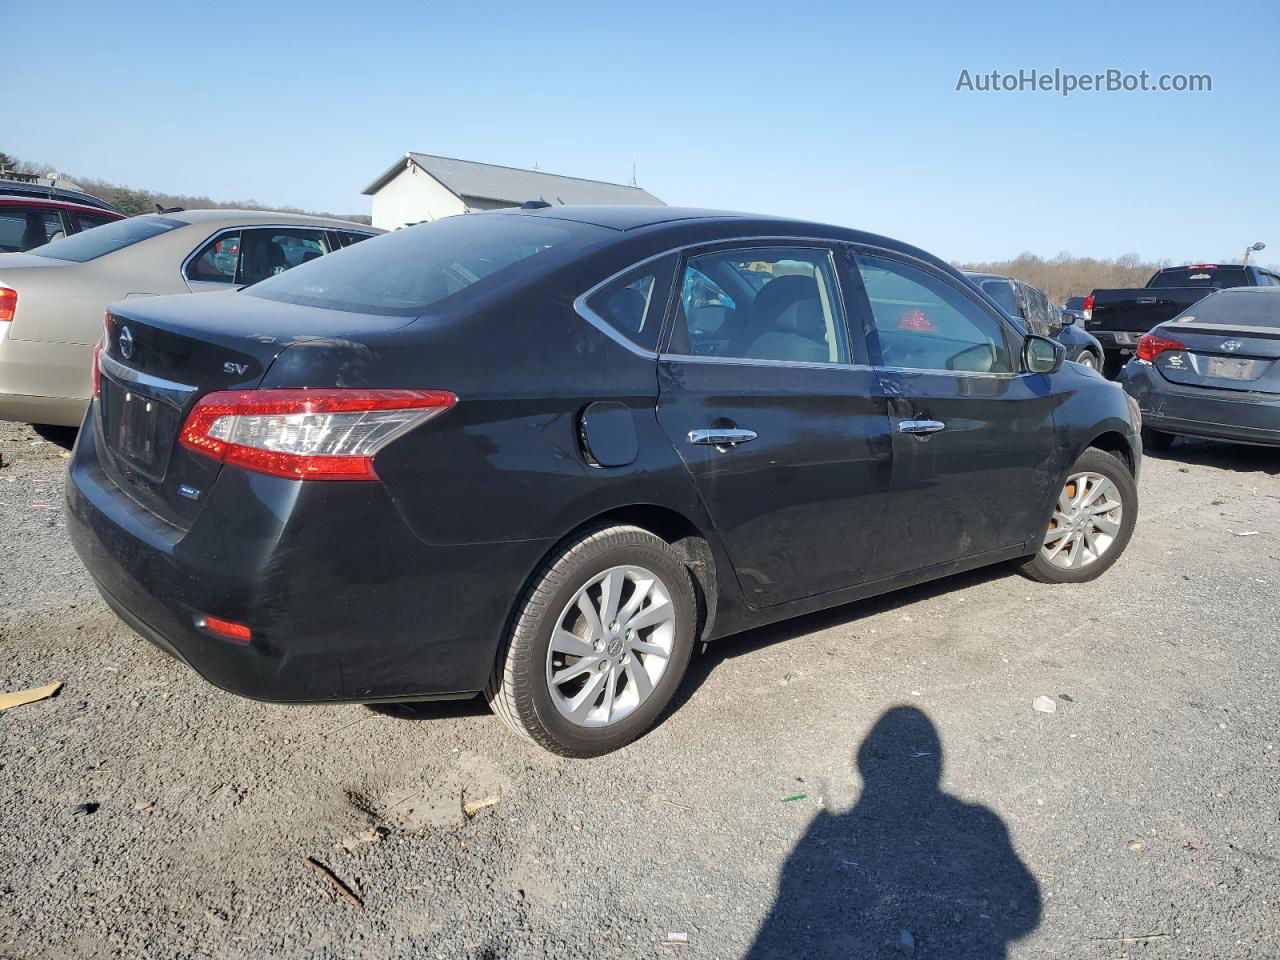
[
  {"x": 1157, "y": 441},
  {"x": 1088, "y": 358},
  {"x": 1038, "y": 567},
  {"x": 1112, "y": 364},
  {"x": 518, "y": 690}
]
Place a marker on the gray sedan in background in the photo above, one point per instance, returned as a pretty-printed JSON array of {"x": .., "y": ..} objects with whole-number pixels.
[
  {"x": 53, "y": 297},
  {"x": 1212, "y": 371}
]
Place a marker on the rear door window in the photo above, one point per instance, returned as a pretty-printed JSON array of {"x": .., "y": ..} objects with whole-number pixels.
[
  {"x": 24, "y": 228},
  {"x": 633, "y": 305},
  {"x": 267, "y": 252},
  {"x": 923, "y": 322},
  {"x": 777, "y": 304}
]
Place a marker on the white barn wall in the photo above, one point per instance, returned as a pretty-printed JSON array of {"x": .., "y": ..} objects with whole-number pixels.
[{"x": 410, "y": 196}]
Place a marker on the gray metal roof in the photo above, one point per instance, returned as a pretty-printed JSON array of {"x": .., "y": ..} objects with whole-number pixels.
[{"x": 488, "y": 181}]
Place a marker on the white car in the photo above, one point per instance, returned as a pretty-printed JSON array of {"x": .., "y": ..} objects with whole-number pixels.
[{"x": 52, "y": 298}]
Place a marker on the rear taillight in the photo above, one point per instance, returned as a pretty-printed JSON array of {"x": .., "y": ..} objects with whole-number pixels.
[
  {"x": 1088, "y": 307},
  {"x": 323, "y": 434},
  {"x": 8, "y": 304},
  {"x": 1151, "y": 346}
]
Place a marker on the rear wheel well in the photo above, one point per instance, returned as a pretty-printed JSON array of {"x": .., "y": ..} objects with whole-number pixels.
[
  {"x": 673, "y": 527},
  {"x": 1115, "y": 444}
]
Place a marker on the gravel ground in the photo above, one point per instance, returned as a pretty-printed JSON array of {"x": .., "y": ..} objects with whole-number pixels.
[{"x": 869, "y": 781}]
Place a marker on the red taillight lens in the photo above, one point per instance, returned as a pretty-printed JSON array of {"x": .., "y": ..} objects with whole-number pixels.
[
  {"x": 229, "y": 629},
  {"x": 328, "y": 434},
  {"x": 1088, "y": 302},
  {"x": 8, "y": 304},
  {"x": 1151, "y": 346}
]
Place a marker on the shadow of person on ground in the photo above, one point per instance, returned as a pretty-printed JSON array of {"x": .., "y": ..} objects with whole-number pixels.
[{"x": 908, "y": 871}]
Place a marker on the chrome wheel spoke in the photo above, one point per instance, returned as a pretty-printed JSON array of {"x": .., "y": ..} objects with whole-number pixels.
[
  {"x": 648, "y": 649},
  {"x": 1109, "y": 527},
  {"x": 610, "y": 691},
  {"x": 595, "y": 629},
  {"x": 637, "y": 597},
  {"x": 639, "y": 678},
  {"x": 581, "y": 704},
  {"x": 570, "y": 644},
  {"x": 584, "y": 665},
  {"x": 611, "y": 595},
  {"x": 653, "y": 614}
]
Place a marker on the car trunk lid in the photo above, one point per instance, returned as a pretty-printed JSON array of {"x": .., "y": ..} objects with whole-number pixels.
[
  {"x": 1223, "y": 356},
  {"x": 161, "y": 355}
]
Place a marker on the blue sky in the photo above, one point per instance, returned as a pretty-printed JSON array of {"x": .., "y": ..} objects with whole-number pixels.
[{"x": 844, "y": 112}]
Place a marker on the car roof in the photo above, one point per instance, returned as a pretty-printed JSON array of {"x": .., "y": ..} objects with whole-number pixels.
[
  {"x": 25, "y": 188},
  {"x": 51, "y": 203},
  {"x": 672, "y": 222},
  {"x": 233, "y": 218},
  {"x": 972, "y": 275}
]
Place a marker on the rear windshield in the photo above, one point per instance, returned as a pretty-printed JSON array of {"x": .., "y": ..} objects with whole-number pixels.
[
  {"x": 1201, "y": 276},
  {"x": 1245, "y": 308},
  {"x": 1074, "y": 303},
  {"x": 411, "y": 270},
  {"x": 107, "y": 238}
]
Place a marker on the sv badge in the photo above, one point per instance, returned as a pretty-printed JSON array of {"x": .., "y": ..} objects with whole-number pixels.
[{"x": 235, "y": 369}]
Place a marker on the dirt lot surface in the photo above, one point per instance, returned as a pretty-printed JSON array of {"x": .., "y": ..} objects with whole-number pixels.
[{"x": 871, "y": 781}]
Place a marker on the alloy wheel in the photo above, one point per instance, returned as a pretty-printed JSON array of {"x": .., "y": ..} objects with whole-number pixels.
[
  {"x": 610, "y": 646},
  {"x": 1085, "y": 522}
]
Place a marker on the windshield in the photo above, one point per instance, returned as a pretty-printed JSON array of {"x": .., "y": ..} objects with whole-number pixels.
[
  {"x": 108, "y": 238},
  {"x": 1202, "y": 275},
  {"x": 410, "y": 270}
]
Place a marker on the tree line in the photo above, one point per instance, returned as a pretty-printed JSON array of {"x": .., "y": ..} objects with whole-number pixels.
[{"x": 134, "y": 201}]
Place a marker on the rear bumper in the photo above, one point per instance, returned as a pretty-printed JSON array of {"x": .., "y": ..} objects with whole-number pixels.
[
  {"x": 344, "y": 602},
  {"x": 1117, "y": 341},
  {"x": 56, "y": 411},
  {"x": 1199, "y": 411},
  {"x": 43, "y": 382}
]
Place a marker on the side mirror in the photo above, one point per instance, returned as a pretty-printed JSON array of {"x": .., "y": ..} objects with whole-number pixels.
[
  {"x": 1068, "y": 318},
  {"x": 1042, "y": 355}
]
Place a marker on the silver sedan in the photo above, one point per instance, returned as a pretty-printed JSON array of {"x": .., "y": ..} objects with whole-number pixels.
[{"x": 52, "y": 298}]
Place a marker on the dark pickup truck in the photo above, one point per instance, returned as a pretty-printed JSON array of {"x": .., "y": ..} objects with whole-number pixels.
[{"x": 1118, "y": 318}]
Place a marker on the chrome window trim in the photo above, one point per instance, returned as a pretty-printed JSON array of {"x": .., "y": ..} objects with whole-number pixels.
[
  {"x": 182, "y": 270},
  {"x": 168, "y": 389},
  {"x": 750, "y": 362}
]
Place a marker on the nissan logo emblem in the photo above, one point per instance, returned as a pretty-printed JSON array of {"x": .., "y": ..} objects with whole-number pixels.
[
  {"x": 1231, "y": 345},
  {"x": 125, "y": 343}
]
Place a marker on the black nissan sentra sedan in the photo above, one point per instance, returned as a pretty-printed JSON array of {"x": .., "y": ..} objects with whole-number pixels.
[
  {"x": 1212, "y": 371},
  {"x": 540, "y": 454}
]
